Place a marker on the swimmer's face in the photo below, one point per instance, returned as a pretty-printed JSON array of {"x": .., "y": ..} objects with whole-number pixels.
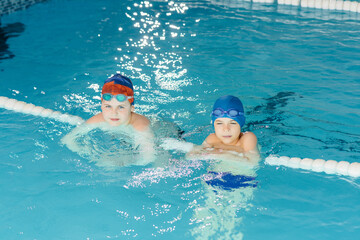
[
  {"x": 116, "y": 113},
  {"x": 227, "y": 130}
]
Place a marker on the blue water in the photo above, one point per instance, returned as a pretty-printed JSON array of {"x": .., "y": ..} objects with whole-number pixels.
[{"x": 296, "y": 71}]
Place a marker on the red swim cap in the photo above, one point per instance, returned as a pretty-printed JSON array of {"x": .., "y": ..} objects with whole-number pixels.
[{"x": 119, "y": 84}]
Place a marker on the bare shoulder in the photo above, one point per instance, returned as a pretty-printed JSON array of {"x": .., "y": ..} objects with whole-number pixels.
[
  {"x": 140, "y": 122},
  {"x": 248, "y": 141},
  {"x": 96, "y": 119},
  {"x": 211, "y": 139}
]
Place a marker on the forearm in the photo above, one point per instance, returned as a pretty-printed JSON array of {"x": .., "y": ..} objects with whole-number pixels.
[
  {"x": 227, "y": 147},
  {"x": 70, "y": 140},
  {"x": 144, "y": 140}
]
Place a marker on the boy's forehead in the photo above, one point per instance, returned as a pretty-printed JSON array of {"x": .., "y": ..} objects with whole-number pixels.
[
  {"x": 115, "y": 102},
  {"x": 225, "y": 120}
]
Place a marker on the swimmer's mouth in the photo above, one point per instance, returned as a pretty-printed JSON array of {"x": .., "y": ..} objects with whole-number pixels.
[
  {"x": 114, "y": 119},
  {"x": 228, "y": 136}
]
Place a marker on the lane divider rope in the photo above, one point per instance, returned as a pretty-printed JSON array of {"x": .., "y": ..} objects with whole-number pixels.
[
  {"x": 340, "y": 5},
  {"x": 28, "y": 108},
  {"x": 352, "y": 6},
  {"x": 316, "y": 165}
]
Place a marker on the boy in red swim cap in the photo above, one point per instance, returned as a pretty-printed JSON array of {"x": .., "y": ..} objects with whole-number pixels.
[
  {"x": 117, "y": 109},
  {"x": 117, "y": 104}
]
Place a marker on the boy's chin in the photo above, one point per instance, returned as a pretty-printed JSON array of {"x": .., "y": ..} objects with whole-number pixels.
[
  {"x": 228, "y": 141},
  {"x": 114, "y": 123}
]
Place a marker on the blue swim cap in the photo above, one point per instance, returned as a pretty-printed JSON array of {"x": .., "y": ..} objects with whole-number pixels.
[
  {"x": 119, "y": 84},
  {"x": 223, "y": 109},
  {"x": 121, "y": 80}
]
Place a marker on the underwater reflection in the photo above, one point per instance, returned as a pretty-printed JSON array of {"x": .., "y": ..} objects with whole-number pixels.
[
  {"x": 6, "y": 32},
  {"x": 227, "y": 191}
]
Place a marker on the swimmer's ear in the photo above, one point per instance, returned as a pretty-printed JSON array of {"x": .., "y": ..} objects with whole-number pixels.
[{"x": 132, "y": 108}]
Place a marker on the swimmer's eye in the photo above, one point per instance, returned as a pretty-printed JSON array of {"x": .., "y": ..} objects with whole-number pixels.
[
  {"x": 121, "y": 107},
  {"x": 107, "y": 106},
  {"x": 234, "y": 123}
]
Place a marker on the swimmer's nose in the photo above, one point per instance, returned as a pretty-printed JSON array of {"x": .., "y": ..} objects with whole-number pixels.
[
  {"x": 115, "y": 111},
  {"x": 226, "y": 127}
]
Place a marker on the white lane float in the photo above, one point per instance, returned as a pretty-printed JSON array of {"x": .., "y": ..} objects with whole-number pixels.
[
  {"x": 340, "y": 5},
  {"x": 316, "y": 165},
  {"x": 28, "y": 108},
  {"x": 351, "y": 6},
  {"x": 176, "y": 145}
]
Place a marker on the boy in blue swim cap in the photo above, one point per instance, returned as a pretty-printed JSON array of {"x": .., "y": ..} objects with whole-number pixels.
[
  {"x": 228, "y": 118},
  {"x": 231, "y": 179}
]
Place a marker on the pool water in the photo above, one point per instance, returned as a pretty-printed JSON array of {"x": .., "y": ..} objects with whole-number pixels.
[{"x": 296, "y": 71}]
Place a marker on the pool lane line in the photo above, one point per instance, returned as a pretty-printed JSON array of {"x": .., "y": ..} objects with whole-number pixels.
[
  {"x": 317, "y": 165},
  {"x": 339, "y": 5},
  {"x": 28, "y": 108}
]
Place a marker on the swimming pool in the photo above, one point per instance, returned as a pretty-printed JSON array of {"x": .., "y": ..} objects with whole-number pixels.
[{"x": 296, "y": 72}]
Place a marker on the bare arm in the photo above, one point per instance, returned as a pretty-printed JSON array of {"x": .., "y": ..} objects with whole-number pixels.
[
  {"x": 144, "y": 139},
  {"x": 140, "y": 122},
  {"x": 213, "y": 142},
  {"x": 247, "y": 143},
  {"x": 212, "y": 147},
  {"x": 71, "y": 139},
  {"x": 228, "y": 147}
]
